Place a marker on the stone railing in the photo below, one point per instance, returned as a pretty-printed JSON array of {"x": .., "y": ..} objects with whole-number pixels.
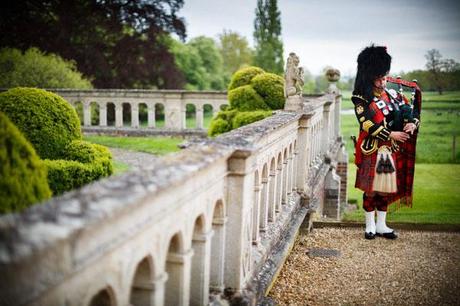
[
  {"x": 205, "y": 224},
  {"x": 173, "y": 103}
]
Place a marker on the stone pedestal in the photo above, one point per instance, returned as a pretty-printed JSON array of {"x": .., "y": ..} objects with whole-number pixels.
[{"x": 294, "y": 103}]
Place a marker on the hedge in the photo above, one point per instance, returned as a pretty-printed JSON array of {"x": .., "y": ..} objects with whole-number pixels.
[
  {"x": 22, "y": 174},
  {"x": 245, "y": 118},
  {"x": 47, "y": 121},
  {"x": 84, "y": 162},
  {"x": 244, "y": 76},
  {"x": 219, "y": 126},
  {"x": 245, "y": 98},
  {"x": 270, "y": 87}
]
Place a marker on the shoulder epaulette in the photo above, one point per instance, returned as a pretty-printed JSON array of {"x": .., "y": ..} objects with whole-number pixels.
[{"x": 357, "y": 98}]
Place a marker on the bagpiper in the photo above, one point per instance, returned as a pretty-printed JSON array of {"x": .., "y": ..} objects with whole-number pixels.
[{"x": 385, "y": 148}]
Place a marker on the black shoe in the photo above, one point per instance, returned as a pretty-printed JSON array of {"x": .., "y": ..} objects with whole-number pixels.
[
  {"x": 391, "y": 235},
  {"x": 369, "y": 235}
]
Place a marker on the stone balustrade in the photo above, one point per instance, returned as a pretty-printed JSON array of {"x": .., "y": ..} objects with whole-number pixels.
[
  {"x": 202, "y": 224},
  {"x": 172, "y": 103}
]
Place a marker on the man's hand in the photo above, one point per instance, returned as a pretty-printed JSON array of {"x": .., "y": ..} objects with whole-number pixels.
[
  {"x": 410, "y": 128},
  {"x": 399, "y": 136}
]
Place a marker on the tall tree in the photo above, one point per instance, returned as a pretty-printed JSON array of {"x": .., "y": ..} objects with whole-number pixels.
[
  {"x": 267, "y": 36},
  {"x": 434, "y": 64},
  {"x": 235, "y": 52},
  {"x": 117, "y": 43}
]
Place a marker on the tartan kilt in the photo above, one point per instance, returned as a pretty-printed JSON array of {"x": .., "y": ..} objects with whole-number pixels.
[{"x": 405, "y": 164}]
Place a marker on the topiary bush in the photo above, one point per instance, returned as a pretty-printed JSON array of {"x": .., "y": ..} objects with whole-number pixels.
[
  {"x": 45, "y": 119},
  {"x": 23, "y": 176},
  {"x": 244, "y": 118},
  {"x": 245, "y": 98},
  {"x": 82, "y": 163},
  {"x": 244, "y": 76},
  {"x": 219, "y": 126},
  {"x": 270, "y": 87}
]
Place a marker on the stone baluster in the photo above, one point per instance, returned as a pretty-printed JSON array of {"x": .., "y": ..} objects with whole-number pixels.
[
  {"x": 151, "y": 115},
  {"x": 279, "y": 184},
  {"x": 271, "y": 195},
  {"x": 199, "y": 286},
  {"x": 103, "y": 113},
  {"x": 134, "y": 115},
  {"x": 216, "y": 281},
  {"x": 326, "y": 128},
  {"x": 264, "y": 204},
  {"x": 180, "y": 265},
  {"x": 118, "y": 115},
  {"x": 86, "y": 113},
  {"x": 199, "y": 117},
  {"x": 256, "y": 215}
]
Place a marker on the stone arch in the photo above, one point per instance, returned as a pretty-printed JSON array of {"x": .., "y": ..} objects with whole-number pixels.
[
  {"x": 104, "y": 297},
  {"x": 175, "y": 268},
  {"x": 256, "y": 209},
  {"x": 160, "y": 117},
  {"x": 143, "y": 114},
  {"x": 208, "y": 110},
  {"x": 142, "y": 283},
  {"x": 127, "y": 113},
  {"x": 78, "y": 105},
  {"x": 111, "y": 114},
  {"x": 216, "y": 282},
  {"x": 264, "y": 198},
  {"x": 271, "y": 190},
  {"x": 190, "y": 116},
  {"x": 94, "y": 109},
  {"x": 199, "y": 284}
]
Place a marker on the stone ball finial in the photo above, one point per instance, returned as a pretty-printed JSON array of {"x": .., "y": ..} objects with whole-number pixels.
[{"x": 332, "y": 74}]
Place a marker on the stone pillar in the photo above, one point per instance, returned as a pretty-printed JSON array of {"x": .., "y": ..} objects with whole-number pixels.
[
  {"x": 199, "y": 117},
  {"x": 271, "y": 196},
  {"x": 184, "y": 118},
  {"x": 103, "y": 114},
  {"x": 86, "y": 113},
  {"x": 180, "y": 265},
  {"x": 201, "y": 260},
  {"x": 256, "y": 216},
  {"x": 294, "y": 103},
  {"x": 326, "y": 128},
  {"x": 240, "y": 182},
  {"x": 159, "y": 289},
  {"x": 337, "y": 117},
  {"x": 264, "y": 204},
  {"x": 118, "y": 115},
  {"x": 216, "y": 281},
  {"x": 290, "y": 171},
  {"x": 279, "y": 182},
  {"x": 134, "y": 115},
  {"x": 302, "y": 147},
  {"x": 331, "y": 207},
  {"x": 174, "y": 115},
  {"x": 342, "y": 170},
  {"x": 151, "y": 116},
  {"x": 284, "y": 183}
]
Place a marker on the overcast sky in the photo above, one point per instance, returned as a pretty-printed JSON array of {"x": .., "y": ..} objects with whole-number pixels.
[{"x": 332, "y": 32}]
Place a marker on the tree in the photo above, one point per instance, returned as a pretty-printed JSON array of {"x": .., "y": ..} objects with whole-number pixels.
[
  {"x": 434, "y": 65},
  {"x": 200, "y": 62},
  {"x": 34, "y": 68},
  {"x": 267, "y": 36},
  {"x": 118, "y": 43},
  {"x": 235, "y": 52}
]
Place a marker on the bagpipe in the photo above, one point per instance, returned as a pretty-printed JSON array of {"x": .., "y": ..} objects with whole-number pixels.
[{"x": 416, "y": 94}]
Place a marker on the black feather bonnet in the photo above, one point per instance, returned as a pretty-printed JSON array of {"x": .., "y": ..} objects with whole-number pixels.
[{"x": 373, "y": 62}]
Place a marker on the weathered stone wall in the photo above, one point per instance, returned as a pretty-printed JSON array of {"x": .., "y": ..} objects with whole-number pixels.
[{"x": 210, "y": 218}]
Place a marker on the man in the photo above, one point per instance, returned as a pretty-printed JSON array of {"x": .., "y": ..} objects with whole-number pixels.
[{"x": 387, "y": 123}]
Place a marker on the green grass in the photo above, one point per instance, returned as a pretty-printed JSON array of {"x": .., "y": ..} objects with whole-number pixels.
[
  {"x": 436, "y": 196},
  {"x": 153, "y": 145}
]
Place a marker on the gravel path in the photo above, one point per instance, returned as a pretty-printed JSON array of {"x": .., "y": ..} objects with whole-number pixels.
[
  {"x": 417, "y": 268},
  {"x": 134, "y": 159}
]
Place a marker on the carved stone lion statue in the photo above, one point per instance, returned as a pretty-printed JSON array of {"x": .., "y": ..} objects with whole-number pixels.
[{"x": 293, "y": 76}]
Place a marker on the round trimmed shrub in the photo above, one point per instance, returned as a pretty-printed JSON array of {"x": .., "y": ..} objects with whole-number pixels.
[
  {"x": 245, "y": 118},
  {"x": 83, "y": 163},
  {"x": 244, "y": 76},
  {"x": 22, "y": 174},
  {"x": 45, "y": 119},
  {"x": 245, "y": 98},
  {"x": 270, "y": 87},
  {"x": 219, "y": 126}
]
